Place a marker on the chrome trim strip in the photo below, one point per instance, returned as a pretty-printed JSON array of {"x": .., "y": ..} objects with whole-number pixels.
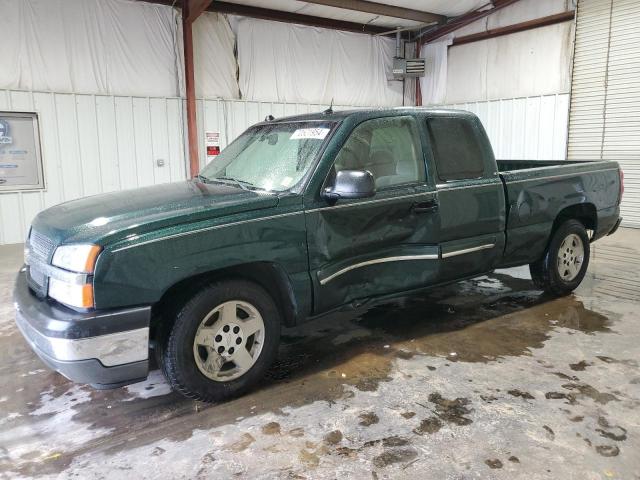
[
  {"x": 50, "y": 271},
  {"x": 446, "y": 187},
  {"x": 206, "y": 229},
  {"x": 468, "y": 250},
  {"x": 368, "y": 202},
  {"x": 551, "y": 177},
  {"x": 378, "y": 260},
  {"x": 111, "y": 349}
]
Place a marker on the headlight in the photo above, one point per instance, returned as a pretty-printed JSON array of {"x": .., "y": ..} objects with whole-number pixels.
[
  {"x": 79, "y": 258},
  {"x": 70, "y": 294}
]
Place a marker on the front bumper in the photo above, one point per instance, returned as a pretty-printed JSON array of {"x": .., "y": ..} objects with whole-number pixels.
[{"x": 104, "y": 348}]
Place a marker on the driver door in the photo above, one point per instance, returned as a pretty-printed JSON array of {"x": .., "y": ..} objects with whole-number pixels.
[{"x": 384, "y": 244}]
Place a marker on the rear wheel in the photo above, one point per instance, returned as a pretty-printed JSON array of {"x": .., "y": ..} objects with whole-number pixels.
[
  {"x": 565, "y": 261},
  {"x": 222, "y": 342}
]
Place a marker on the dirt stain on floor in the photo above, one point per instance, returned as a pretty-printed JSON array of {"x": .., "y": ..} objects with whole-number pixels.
[
  {"x": 242, "y": 444},
  {"x": 368, "y": 418},
  {"x": 608, "y": 450},
  {"x": 579, "y": 366},
  {"x": 519, "y": 393},
  {"x": 399, "y": 455},
  {"x": 591, "y": 392},
  {"x": 271, "y": 428},
  {"x": 428, "y": 425},
  {"x": 451, "y": 411},
  {"x": 493, "y": 463},
  {"x": 613, "y": 432}
]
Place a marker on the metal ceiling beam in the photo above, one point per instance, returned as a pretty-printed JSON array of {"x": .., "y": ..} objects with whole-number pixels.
[
  {"x": 516, "y": 27},
  {"x": 196, "y": 7},
  {"x": 285, "y": 17},
  {"x": 382, "y": 9},
  {"x": 462, "y": 21},
  {"x": 290, "y": 17}
]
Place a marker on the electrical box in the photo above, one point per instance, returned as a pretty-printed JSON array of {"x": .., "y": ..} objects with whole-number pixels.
[{"x": 408, "y": 67}]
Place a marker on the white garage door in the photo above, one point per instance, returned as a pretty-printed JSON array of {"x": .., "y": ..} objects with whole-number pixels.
[{"x": 604, "y": 120}]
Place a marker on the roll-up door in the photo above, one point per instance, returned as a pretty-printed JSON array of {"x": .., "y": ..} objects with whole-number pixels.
[{"x": 604, "y": 119}]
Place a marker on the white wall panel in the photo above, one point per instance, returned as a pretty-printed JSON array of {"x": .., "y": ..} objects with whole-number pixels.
[
  {"x": 532, "y": 128},
  {"x": 93, "y": 144},
  {"x": 528, "y": 63}
]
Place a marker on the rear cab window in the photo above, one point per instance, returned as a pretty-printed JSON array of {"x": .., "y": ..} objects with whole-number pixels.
[{"x": 457, "y": 151}]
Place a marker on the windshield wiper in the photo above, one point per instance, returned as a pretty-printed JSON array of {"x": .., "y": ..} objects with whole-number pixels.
[
  {"x": 203, "y": 179},
  {"x": 241, "y": 183}
]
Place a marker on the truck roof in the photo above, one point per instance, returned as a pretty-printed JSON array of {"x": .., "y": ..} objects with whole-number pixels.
[{"x": 364, "y": 113}]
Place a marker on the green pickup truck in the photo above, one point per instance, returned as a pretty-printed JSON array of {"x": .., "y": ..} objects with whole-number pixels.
[{"x": 297, "y": 218}]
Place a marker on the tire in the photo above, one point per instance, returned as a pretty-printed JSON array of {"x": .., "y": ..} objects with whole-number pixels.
[
  {"x": 221, "y": 363},
  {"x": 559, "y": 271}
]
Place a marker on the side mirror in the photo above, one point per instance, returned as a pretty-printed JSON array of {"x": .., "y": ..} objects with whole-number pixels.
[{"x": 351, "y": 184}]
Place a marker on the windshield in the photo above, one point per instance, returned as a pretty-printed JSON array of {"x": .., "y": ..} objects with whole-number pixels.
[{"x": 270, "y": 157}]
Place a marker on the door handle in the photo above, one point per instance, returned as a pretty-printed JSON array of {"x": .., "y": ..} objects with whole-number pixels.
[{"x": 426, "y": 207}]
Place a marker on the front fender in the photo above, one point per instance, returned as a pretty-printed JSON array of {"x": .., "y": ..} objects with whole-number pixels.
[{"x": 141, "y": 271}]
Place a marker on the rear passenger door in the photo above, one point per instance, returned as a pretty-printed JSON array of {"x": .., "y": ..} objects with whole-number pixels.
[{"x": 470, "y": 195}]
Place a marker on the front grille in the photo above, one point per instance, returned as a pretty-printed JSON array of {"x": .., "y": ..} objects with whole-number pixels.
[
  {"x": 40, "y": 246},
  {"x": 40, "y": 251}
]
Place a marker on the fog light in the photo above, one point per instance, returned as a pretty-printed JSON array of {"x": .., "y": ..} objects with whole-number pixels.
[{"x": 80, "y": 296}]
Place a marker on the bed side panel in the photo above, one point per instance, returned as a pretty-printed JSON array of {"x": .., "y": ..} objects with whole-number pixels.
[{"x": 535, "y": 197}]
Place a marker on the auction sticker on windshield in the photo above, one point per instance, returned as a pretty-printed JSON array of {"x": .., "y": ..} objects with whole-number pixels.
[{"x": 318, "y": 133}]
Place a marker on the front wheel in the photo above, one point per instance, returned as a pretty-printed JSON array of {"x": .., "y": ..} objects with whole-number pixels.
[
  {"x": 565, "y": 261},
  {"x": 222, "y": 342}
]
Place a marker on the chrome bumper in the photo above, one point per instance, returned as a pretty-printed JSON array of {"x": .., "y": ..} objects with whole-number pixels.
[
  {"x": 106, "y": 349},
  {"x": 111, "y": 349}
]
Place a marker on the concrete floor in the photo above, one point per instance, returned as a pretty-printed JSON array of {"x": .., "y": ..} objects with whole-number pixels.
[{"x": 485, "y": 379}]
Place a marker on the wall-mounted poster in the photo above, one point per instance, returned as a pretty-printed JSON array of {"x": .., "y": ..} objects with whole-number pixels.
[
  {"x": 20, "y": 156},
  {"x": 212, "y": 140}
]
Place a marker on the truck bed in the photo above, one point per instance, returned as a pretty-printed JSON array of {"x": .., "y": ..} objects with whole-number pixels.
[{"x": 537, "y": 193}]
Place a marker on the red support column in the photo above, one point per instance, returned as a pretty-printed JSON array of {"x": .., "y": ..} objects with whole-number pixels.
[{"x": 191, "y": 10}]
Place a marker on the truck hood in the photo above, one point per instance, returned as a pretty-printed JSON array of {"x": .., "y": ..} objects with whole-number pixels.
[{"x": 109, "y": 217}]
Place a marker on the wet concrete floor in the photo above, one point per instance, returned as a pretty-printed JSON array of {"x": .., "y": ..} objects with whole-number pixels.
[{"x": 484, "y": 379}]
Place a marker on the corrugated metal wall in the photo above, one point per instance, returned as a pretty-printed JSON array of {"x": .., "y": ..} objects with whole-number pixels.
[
  {"x": 533, "y": 128},
  {"x": 605, "y": 96}
]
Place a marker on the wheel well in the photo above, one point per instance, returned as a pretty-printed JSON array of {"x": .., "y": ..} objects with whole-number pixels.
[
  {"x": 268, "y": 275},
  {"x": 584, "y": 212}
]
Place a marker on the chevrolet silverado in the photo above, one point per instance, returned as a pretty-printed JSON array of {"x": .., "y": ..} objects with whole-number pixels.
[{"x": 297, "y": 218}]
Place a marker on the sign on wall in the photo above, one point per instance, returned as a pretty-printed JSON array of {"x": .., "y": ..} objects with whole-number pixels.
[
  {"x": 212, "y": 140},
  {"x": 20, "y": 155}
]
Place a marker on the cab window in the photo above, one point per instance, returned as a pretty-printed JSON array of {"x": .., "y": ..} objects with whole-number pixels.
[
  {"x": 456, "y": 148},
  {"x": 387, "y": 147}
]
